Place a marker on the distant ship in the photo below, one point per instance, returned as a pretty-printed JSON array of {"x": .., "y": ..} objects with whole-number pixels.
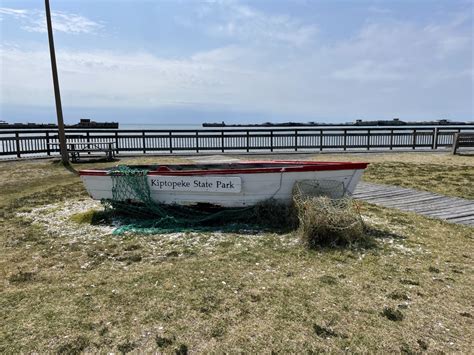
[
  {"x": 87, "y": 123},
  {"x": 393, "y": 122},
  {"x": 84, "y": 123}
]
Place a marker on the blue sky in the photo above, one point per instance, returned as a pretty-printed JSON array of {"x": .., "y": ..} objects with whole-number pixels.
[{"x": 180, "y": 62}]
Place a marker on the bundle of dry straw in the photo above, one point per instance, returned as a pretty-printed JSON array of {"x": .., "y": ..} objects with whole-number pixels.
[{"x": 327, "y": 218}]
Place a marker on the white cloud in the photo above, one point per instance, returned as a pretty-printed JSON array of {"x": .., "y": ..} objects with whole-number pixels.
[
  {"x": 18, "y": 13},
  {"x": 234, "y": 20},
  {"x": 35, "y": 21}
]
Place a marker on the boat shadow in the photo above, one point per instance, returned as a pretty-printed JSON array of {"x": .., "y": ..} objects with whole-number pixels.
[{"x": 373, "y": 239}]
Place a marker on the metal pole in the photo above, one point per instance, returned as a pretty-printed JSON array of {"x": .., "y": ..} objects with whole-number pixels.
[{"x": 57, "y": 95}]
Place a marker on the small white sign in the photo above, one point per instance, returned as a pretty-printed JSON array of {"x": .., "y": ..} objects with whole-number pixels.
[{"x": 196, "y": 183}]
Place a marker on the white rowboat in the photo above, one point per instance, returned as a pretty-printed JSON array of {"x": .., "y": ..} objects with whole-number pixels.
[{"x": 228, "y": 184}]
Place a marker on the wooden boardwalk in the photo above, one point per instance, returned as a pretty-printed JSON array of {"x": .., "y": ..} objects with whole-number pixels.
[{"x": 450, "y": 209}]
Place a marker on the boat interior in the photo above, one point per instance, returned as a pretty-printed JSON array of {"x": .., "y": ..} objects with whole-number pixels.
[{"x": 227, "y": 166}]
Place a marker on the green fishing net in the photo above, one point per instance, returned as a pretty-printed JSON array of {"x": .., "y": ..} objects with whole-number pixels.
[{"x": 137, "y": 212}]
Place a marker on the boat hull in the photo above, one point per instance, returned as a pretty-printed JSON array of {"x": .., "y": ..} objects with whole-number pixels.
[{"x": 234, "y": 189}]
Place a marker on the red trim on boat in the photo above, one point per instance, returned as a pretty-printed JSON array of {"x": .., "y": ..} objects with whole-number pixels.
[{"x": 292, "y": 167}]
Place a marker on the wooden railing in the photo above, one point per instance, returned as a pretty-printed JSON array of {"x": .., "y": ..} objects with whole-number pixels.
[{"x": 19, "y": 143}]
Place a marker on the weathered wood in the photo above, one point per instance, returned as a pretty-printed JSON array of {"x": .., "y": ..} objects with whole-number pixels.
[
  {"x": 446, "y": 214},
  {"x": 462, "y": 140},
  {"x": 464, "y": 219},
  {"x": 459, "y": 212},
  {"x": 381, "y": 193},
  {"x": 438, "y": 208},
  {"x": 416, "y": 201},
  {"x": 450, "y": 209}
]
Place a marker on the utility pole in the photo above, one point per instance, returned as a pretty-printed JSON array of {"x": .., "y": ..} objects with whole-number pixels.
[{"x": 57, "y": 95}]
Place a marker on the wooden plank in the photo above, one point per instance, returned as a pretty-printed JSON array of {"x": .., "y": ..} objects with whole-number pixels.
[
  {"x": 459, "y": 215},
  {"x": 447, "y": 206},
  {"x": 412, "y": 203},
  {"x": 408, "y": 198},
  {"x": 370, "y": 188},
  {"x": 436, "y": 209},
  {"x": 375, "y": 196},
  {"x": 368, "y": 185},
  {"x": 381, "y": 190},
  {"x": 384, "y": 200},
  {"x": 442, "y": 202},
  {"x": 451, "y": 209},
  {"x": 439, "y": 204},
  {"x": 449, "y": 217},
  {"x": 445, "y": 213},
  {"x": 464, "y": 219},
  {"x": 390, "y": 189}
]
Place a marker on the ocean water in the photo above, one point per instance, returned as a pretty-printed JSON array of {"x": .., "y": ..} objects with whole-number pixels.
[
  {"x": 125, "y": 126},
  {"x": 159, "y": 126}
]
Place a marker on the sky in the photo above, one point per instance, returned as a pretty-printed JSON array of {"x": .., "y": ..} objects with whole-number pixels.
[{"x": 188, "y": 62}]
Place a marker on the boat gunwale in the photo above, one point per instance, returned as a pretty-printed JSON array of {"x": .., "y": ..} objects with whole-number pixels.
[{"x": 290, "y": 166}]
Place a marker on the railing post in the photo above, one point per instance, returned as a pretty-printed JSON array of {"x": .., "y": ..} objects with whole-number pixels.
[
  {"x": 368, "y": 139},
  {"x": 144, "y": 142},
  {"x": 455, "y": 143},
  {"x": 414, "y": 139},
  {"x": 345, "y": 139},
  {"x": 454, "y": 138},
  {"x": 116, "y": 143},
  {"x": 17, "y": 139},
  {"x": 48, "y": 150},
  {"x": 171, "y": 142},
  {"x": 391, "y": 139},
  {"x": 222, "y": 141},
  {"x": 320, "y": 140},
  {"x": 88, "y": 141},
  {"x": 271, "y": 141},
  {"x": 435, "y": 138},
  {"x": 197, "y": 141},
  {"x": 248, "y": 141},
  {"x": 296, "y": 140}
]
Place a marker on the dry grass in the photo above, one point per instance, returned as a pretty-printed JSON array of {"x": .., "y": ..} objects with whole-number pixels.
[
  {"x": 442, "y": 173},
  {"x": 70, "y": 287},
  {"x": 327, "y": 222}
]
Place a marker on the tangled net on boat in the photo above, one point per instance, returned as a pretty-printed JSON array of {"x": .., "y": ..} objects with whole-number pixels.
[{"x": 132, "y": 201}]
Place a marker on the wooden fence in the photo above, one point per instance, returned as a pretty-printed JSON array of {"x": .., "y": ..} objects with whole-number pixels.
[{"x": 19, "y": 143}]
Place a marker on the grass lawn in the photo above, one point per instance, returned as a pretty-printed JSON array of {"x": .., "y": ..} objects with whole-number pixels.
[
  {"x": 447, "y": 174},
  {"x": 69, "y": 287}
]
